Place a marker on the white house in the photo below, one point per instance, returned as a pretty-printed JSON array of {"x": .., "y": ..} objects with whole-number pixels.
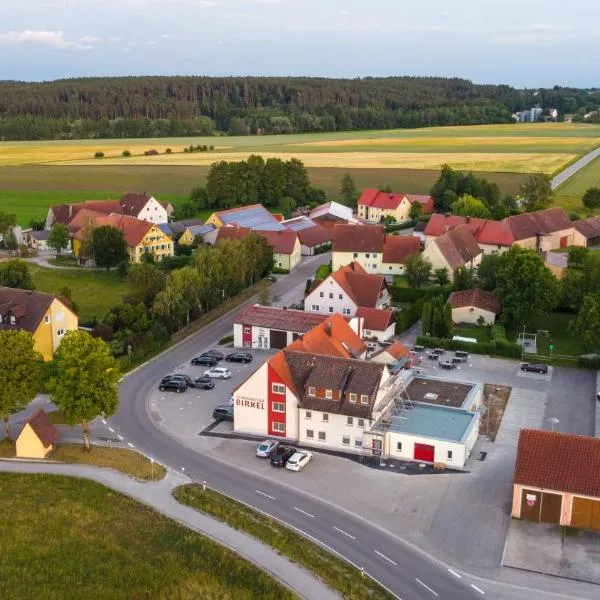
[
  {"x": 378, "y": 324},
  {"x": 454, "y": 249},
  {"x": 469, "y": 306},
  {"x": 144, "y": 207}
]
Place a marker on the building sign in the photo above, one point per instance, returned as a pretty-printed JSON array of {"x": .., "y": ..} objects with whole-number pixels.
[
  {"x": 247, "y": 402},
  {"x": 531, "y": 499}
]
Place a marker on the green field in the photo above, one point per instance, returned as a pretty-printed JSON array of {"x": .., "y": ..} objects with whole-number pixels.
[
  {"x": 582, "y": 181},
  {"x": 70, "y": 538}
]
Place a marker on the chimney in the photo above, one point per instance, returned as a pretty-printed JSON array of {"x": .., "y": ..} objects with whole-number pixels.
[
  {"x": 468, "y": 219},
  {"x": 446, "y": 229},
  {"x": 328, "y": 328}
]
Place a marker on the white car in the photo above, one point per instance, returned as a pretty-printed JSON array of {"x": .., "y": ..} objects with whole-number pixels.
[
  {"x": 298, "y": 460},
  {"x": 218, "y": 373}
]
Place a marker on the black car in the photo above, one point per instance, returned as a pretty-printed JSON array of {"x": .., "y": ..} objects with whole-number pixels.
[
  {"x": 173, "y": 385},
  {"x": 223, "y": 412},
  {"x": 203, "y": 383},
  {"x": 216, "y": 353},
  {"x": 178, "y": 376},
  {"x": 282, "y": 455},
  {"x": 241, "y": 357},
  {"x": 206, "y": 360},
  {"x": 534, "y": 368}
]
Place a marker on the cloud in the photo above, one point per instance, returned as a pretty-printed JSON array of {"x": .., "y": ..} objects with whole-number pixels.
[
  {"x": 52, "y": 39},
  {"x": 90, "y": 39}
]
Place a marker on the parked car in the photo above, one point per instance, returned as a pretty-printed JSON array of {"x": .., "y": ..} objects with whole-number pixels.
[
  {"x": 203, "y": 383},
  {"x": 240, "y": 357},
  {"x": 266, "y": 448},
  {"x": 216, "y": 353},
  {"x": 223, "y": 412},
  {"x": 206, "y": 360},
  {"x": 432, "y": 356},
  {"x": 173, "y": 385},
  {"x": 179, "y": 376},
  {"x": 534, "y": 368},
  {"x": 439, "y": 350},
  {"x": 282, "y": 455},
  {"x": 462, "y": 354},
  {"x": 298, "y": 460},
  {"x": 218, "y": 373}
]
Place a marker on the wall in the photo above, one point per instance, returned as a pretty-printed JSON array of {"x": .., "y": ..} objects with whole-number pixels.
[
  {"x": 28, "y": 445},
  {"x": 391, "y": 269},
  {"x": 470, "y": 314},
  {"x": 250, "y": 404},
  {"x": 380, "y": 335},
  {"x": 437, "y": 259},
  {"x": 288, "y": 261},
  {"x": 371, "y": 264},
  {"x": 330, "y": 287},
  {"x": 186, "y": 239},
  {"x": 154, "y": 241},
  {"x": 408, "y": 442},
  {"x": 62, "y": 319},
  {"x": 551, "y": 241},
  {"x": 493, "y": 249},
  {"x": 154, "y": 212}
]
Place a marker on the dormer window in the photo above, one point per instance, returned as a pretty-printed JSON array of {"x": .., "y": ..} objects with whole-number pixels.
[
  {"x": 328, "y": 394},
  {"x": 311, "y": 391},
  {"x": 352, "y": 397},
  {"x": 364, "y": 399}
]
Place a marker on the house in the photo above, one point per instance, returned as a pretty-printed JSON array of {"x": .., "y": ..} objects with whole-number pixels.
[
  {"x": 557, "y": 479},
  {"x": 587, "y": 231},
  {"x": 396, "y": 355},
  {"x": 38, "y": 240},
  {"x": 377, "y": 324},
  {"x": 45, "y": 316},
  {"x": 266, "y": 327},
  {"x": 37, "y": 437},
  {"x": 193, "y": 233},
  {"x": 372, "y": 248},
  {"x": 144, "y": 207},
  {"x": 312, "y": 236},
  {"x": 453, "y": 250},
  {"x": 419, "y": 232},
  {"x": 176, "y": 228},
  {"x": 253, "y": 216},
  {"x": 65, "y": 213},
  {"x": 374, "y": 205},
  {"x": 345, "y": 290},
  {"x": 330, "y": 214},
  {"x": 469, "y": 306},
  {"x": 287, "y": 252}
]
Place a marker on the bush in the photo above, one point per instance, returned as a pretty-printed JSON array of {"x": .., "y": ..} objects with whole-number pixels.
[
  {"x": 322, "y": 272},
  {"x": 126, "y": 153},
  {"x": 307, "y": 286},
  {"x": 400, "y": 226},
  {"x": 408, "y": 317},
  {"x": 99, "y": 155},
  {"x": 278, "y": 271},
  {"x": 498, "y": 333},
  {"x": 226, "y": 340},
  {"x": 589, "y": 361},
  {"x": 405, "y": 294},
  {"x": 323, "y": 249},
  {"x": 170, "y": 263},
  {"x": 499, "y": 347},
  {"x": 168, "y": 151}
]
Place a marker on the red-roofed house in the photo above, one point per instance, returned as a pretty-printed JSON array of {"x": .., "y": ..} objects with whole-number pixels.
[
  {"x": 36, "y": 439},
  {"x": 394, "y": 354},
  {"x": 454, "y": 249},
  {"x": 374, "y": 205},
  {"x": 312, "y": 236},
  {"x": 557, "y": 479},
  {"x": 468, "y": 306},
  {"x": 377, "y": 324}
]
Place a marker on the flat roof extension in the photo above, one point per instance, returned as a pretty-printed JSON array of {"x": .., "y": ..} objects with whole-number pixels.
[{"x": 449, "y": 393}]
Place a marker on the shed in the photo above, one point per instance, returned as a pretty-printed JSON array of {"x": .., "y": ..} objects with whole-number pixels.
[{"x": 37, "y": 437}]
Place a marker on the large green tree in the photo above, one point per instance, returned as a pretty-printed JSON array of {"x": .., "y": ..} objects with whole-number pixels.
[
  {"x": 20, "y": 373},
  {"x": 586, "y": 326},
  {"x": 15, "y": 274},
  {"x": 469, "y": 206},
  {"x": 537, "y": 192},
  {"x": 418, "y": 270},
  {"x": 487, "y": 271},
  {"x": 7, "y": 220},
  {"x": 59, "y": 237},
  {"x": 591, "y": 198},
  {"x": 441, "y": 276},
  {"x": 464, "y": 278},
  {"x": 348, "y": 189},
  {"x": 525, "y": 287},
  {"x": 145, "y": 280},
  {"x": 85, "y": 383},
  {"x": 108, "y": 246}
]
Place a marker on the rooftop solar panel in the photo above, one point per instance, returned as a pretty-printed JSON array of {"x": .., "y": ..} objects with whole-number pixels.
[
  {"x": 256, "y": 217},
  {"x": 299, "y": 224}
]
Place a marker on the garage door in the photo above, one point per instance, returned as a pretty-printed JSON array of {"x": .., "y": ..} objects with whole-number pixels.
[
  {"x": 424, "y": 452},
  {"x": 586, "y": 513},
  {"x": 551, "y": 505},
  {"x": 278, "y": 339},
  {"x": 531, "y": 504},
  {"x": 541, "y": 507}
]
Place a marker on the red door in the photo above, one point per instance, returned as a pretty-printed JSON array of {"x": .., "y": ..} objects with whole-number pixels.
[
  {"x": 424, "y": 452},
  {"x": 564, "y": 241}
]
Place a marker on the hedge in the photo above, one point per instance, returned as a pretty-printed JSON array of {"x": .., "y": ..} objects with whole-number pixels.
[
  {"x": 279, "y": 271},
  {"x": 589, "y": 361},
  {"x": 499, "y": 347},
  {"x": 322, "y": 249},
  {"x": 404, "y": 294},
  {"x": 408, "y": 317},
  {"x": 399, "y": 226}
]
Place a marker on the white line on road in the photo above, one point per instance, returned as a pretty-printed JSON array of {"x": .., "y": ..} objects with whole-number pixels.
[
  {"x": 425, "y": 586},
  {"x": 477, "y": 589},
  {"x": 304, "y": 512},
  {"x": 455, "y": 573},
  {"x": 120, "y": 437},
  {"x": 265, "y": 495},
  {"x": 111, "y": 429},
  {"x": 344, "y": 532},
  {"x": 104, "y": 421},
  {"x": 386, "y": 558},
  {"x": 130, "y": 444}
]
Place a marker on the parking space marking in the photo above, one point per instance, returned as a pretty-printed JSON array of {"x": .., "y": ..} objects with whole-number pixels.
[
  {"x": 265, "y": 495},
  {"x": 111, "y": 429},
  {"x": 104, "y": 421},
  {"x": 425, "y": 586},
  {"x": 455, "y": 573},
  {"x": 344, "y": 532},
  {"x": 386, "y": 558},
  {"x": 120, "y": 437},
  {"x": 477, "y": 589},
  {"x": 304, "y": 512},
  {"x": 130, "y": 445}
]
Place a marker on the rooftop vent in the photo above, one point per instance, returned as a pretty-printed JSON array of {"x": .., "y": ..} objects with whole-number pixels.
[{"x": 430, "y": 396}]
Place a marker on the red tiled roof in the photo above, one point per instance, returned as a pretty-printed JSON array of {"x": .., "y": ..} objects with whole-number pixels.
[
  {"x": 358, "y": 238},
  {"x": 42, "y": 427},
  {"x": 425, "y": 201},
  {"x": 283, "y": 242},
  {"x": 64, "y": 213},
  {"x": 458, "y": 246},
  {"x": 543, "y": 222},
  {"x": 495, "y": 233},
  {"x": 378, "y": 199},
  {"x": 589, "y": 228},
  {"x": 83, "y": 217},
  {"x": 279, "y": 318},
  {"x": 314, "y": 236},
  {"x": 439, "y": 224},
  {"x": 397, "y": 248},
  {"x": 376, "y": 319},
  {"x": 132, "y": 203},
  {"x": 397, "y": 350},
  {"x": 134, "y": 230},
  {"x": 477, "y": 298},
  {"x": 27, "y": 307},
  {"x": 232, "y": 232},
  {"x": 558, "y": 461}
]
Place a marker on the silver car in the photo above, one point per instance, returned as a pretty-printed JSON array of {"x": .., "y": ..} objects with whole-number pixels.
[{"x": 266, "y": 448}]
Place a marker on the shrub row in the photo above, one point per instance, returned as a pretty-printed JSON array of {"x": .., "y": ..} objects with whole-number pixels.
[
  {"x": 498, "y": 334},
  {"x": 499, "y": 347},
  {"x": 400, "y": 226},
  {"x": 408, "y": 317},
  {"x": 322, "y": 249},
  {"x": 279, "y": 271},
  {"x": 589, "y": 361},
  {"x": 404, "y": 294}
]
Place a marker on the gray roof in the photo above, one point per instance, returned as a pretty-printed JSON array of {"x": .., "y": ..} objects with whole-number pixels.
[
  {"x": 201, "y": 229},
  {"x": 255, "y": 217},
  {"x": 299, "y": 223}
]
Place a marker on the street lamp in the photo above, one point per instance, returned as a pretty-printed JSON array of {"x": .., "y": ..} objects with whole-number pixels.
[{"x": 554, "y": 422}]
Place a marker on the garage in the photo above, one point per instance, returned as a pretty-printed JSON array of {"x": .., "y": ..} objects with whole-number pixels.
[
  {"x": 585, "y": 513},
  {"x": 541, "y": 507},
  {"x": 424, "y": 452},
  {"x": 277, "y": 339}
]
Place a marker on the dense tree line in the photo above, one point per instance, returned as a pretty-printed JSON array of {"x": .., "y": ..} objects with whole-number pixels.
[{"x": 120, "y": 107}]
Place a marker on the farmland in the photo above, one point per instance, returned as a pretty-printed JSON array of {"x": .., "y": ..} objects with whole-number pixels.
[{"x": 587, "y": 178}]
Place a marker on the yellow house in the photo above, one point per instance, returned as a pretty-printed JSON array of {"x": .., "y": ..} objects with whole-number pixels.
[
  {"x": 45, "y": 316},
  {"x": 374, "y": 205},
  {"x": 455, "y": 249},
  {"x": 287, "y": 250},
  {"x": 37, "y": 437}
]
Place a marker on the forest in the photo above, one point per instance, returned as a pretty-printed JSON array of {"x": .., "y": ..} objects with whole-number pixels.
[{"x": 123, "y": 107}]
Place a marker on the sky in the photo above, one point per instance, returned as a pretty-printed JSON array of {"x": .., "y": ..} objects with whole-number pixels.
[{"x": 525, "y": 43}]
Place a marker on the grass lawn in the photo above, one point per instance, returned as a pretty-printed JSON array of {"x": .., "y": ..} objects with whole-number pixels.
[
  {"x": 93, "y": 291},
  {"x": 7, "y": 449},
  {"x": 587, "y": 178},
  {"x": 334, "y": 571},
  {"x": 66, "y": 260},
  {"x": 481, "y": 334},
  {"x": 70, "y": 538}
]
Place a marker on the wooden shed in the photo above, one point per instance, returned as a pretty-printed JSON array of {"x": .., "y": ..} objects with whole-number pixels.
[{"x": 37, "y": 437}]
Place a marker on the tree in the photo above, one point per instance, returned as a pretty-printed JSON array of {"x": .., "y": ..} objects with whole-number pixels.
[
  {"x": 426, "y": 318},
  {"x": 7, "y": 220},
  {"x": 348, "y": 190},
  {"x": 416, "y": 209},
  {"x": 85, "y": 383},
  {"x": 10, "y": 241},
  {"x": 441, "y": 277},
  {"x": 537, "y": 192},
  {"x": 108, "y": 246},
  {"x": 448, "y": 319},
  {"x": 487, "y": 271},
  {"x": 464, "y": 279},
  {"x": 145, "y": 282},
  {"x": 287, "y": 205},
  {"x": 468, "y": 206},
  {"x": 577, "y": 257},
  {"x": 418, "y": 270},
  {"x": 20, "y": 373},
  {"x": 525, "y": 287},
  {"x": 586, "y": 326},
  {"x": 59, "y": 237},
  {"x": 15, "y": 274},
  {"x": 591, "y": 199}
]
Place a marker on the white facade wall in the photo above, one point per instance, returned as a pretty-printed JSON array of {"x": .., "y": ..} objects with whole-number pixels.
[
  {"x": 471, "y": 314},
  {"x": 337, "y": 430},
  {"x": 154, "y": 212},
  {"x": 334, "y": 299},
  {"x": 493, "y": 249},
  {"x": 380, "y": 335},
  {"x": 369, "y": 261},
  {"x": 391, "y": 269},
  {"x": 250, "y": 404}
]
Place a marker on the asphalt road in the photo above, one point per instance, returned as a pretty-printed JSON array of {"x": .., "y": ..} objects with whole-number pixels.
[{"x": 576, "y": 166}]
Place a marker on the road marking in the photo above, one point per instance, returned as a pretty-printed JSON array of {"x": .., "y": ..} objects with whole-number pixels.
[
  {"x": 344, "y": 532},
  {"x": 477, "y": 589},
  {"x": 111, "y": 429},
  {"x": 120, "y": 437},
  {"x": 130, "y": 444},
  {"x": 426, "y": 586},
  {"x": 304, "y": 512},
  {"x": 455, "y": 573},
  {"x": 386, "y": 558},
  {"x": 265, "y": 495},
  {"x": 104, "y": 421}
]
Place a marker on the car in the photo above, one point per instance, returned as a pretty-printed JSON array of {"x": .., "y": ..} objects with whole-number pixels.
[
  {"x": 266, "y": 448},
  {"x": 206, "y": 360},
  {"x": 218, "y": 373},
  {"x": 439, "y": 350},
  {"x": 173, "y": 385},
  {"x": 179, "y": 376},
  {"x": 459, "y": 359},
  {"x": 534, "y": 368},
  {"x": 432, "y": 356},
  {"x": 241, "y": 357},
  {"x": 298, "y": 460},
  {"x": 282, "y": 455},
  {"x": 223, "y": 412},
  {"x": 202, "y": 383},
  {"x": 216, "y": 353}
]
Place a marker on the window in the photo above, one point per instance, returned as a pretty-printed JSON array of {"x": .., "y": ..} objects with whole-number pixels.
[
  {"x": 308, "y": 415},
  {"x": 367, "y": 255},
  {"x": 346, "y": 311},
  {"x": 322, "y": 436},
  {"x": 328, "y": 394},
  {"x": 399, "y": 446},
  {"x": 352, "y": 397},
  {"x": 278, "y": 388},
  {"x": 311, "y": 391},
  {"x": 350, "y": 421},
  {"x": 322, "y": 294},
  {"x": 247, "y": 344},
  {"x": 60, "y": 332},
  {"x": 331, "y": 309},
  {"x": 355, "y": 255},
  {"x": 374, "y": 254},
  {"x": 364, "y": 399},
  {"x": 13, "y": 320},
  {"x": 278, "y": 426},
  {"x": 310, "y": 434},
  {"x": 390, "y": 268},
  {"x": 278, "y": 407},
  {"x": 358, "y": 443},
  {"x": 331, "y": 296},
  {"x": 346, "y": 440},
  {"x": 247, "y": 330},
  {"x": 325, "y": 418},
  {"x": 340, "y": 296},
  {"x": 449, "y": 454},
  {"x": 47, "y": 319},
  {"x": 315, "y": 307},
  {"x": 279, "y": 264},
  {"x": 361, "y": 422}
]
